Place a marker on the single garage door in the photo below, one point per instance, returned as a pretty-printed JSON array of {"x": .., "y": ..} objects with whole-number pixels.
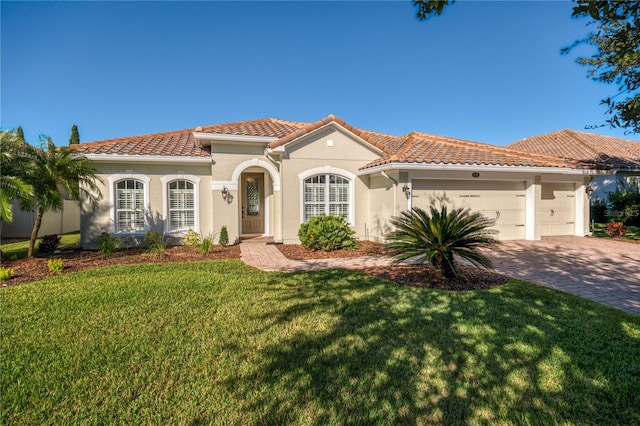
[
  {"x": 557, "y": 209},
  {"x": 503, "y": 201}
]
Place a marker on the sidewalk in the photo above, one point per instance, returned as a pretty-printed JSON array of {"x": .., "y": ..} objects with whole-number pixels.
[{"x": 266, "y": 256}]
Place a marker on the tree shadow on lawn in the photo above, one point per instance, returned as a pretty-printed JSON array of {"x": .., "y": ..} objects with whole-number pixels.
[{"x": 382, "y": 354}]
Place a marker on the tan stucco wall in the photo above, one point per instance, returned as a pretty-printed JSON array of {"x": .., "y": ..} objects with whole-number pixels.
[
  {"x": 315, "y": 152},
  {"x": 94, "y": 222}
]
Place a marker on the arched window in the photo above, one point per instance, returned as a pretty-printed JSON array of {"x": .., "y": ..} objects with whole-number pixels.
[
  {"x": 326, "y": 194},
  {"x": 182, "y": 205},
  {"x": 130, "y": 207}
]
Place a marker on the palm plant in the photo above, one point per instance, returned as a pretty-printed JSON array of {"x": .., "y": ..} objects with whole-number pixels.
[
  {"x": 12, "y": 186},
  {"x": 51, "y": 170},
  {"x": 440, "y": 235}
]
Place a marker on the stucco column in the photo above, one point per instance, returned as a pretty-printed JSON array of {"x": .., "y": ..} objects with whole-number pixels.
[
  {"x": 532, "y": 220},
  {"x": 583, "y": 210}
]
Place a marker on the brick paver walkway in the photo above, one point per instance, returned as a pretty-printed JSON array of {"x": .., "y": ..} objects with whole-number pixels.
[{"x": 605, "y": 271}]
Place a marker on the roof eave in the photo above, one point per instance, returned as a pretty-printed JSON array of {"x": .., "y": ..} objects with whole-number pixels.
[
  {"x": 206, "y": 139},
  {"x": 127, "y": 158},
  {"x": 335, "y": 125},
  {"x": 479, "y": 167}
]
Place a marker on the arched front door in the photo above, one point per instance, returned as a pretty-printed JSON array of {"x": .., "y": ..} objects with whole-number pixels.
[{"x": 252, "y": 203}]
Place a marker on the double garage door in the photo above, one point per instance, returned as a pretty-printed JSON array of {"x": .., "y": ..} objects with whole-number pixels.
[{"x": 503, "y": 201}]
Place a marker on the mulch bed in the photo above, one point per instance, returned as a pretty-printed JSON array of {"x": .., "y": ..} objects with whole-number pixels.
[
  {"x": 363, "y": 249},
  {"x": 27, "y": 270},
  {"x": 470, "y": 278}
]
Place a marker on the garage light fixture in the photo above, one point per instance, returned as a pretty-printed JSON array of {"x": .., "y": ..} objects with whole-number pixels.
[
  {"x": 475, "y": 174},
  {"x": 589, "y": 191},
  {"x": 407, "y": 191}
]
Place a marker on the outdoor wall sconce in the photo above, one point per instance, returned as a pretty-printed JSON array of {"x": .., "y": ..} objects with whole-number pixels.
[
  {"x": 407, "y": 191},
  {"x": 225, "y": 193}
]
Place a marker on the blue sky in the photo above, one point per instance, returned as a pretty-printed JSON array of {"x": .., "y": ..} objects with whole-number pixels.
[{"x": 485, "y": 71}]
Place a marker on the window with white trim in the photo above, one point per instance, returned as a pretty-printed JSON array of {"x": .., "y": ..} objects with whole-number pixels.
[
  {"x": 181, "y": 205},
  {"x": 326, "y": 194},
  {"x": 129, "y": 206}
]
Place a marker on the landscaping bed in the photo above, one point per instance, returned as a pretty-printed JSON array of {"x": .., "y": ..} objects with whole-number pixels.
[
  {"x": 363, "y": 249},
  {"x": 33, "y": 269}
]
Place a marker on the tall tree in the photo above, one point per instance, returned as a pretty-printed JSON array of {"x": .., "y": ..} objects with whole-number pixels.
[
  {"x": 75, "y": 136},
  {"x": 20, "y": 134},
  {"x": 53, "y": 169},
  {"x": 617, "y": 57},
  {"x": 12, "y": 186}
]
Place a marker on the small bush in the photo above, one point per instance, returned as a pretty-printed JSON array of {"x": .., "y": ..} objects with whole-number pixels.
[
  {"x": 326, "y": 233},
  {"x": 156, "y": 242},
  {"x": 205, "y": 245},
  {"x": 6, "y": 274},
  {"x": 49, "y": 243},
  {"x": 192, "y": 239},
  {"x": 616, "y": 229},
  {"x": 624, "y": 205},
  {"x": 108, "y": 244},
  {"x": 55, "y": 265},
  {"x": 224, "y": 236}
]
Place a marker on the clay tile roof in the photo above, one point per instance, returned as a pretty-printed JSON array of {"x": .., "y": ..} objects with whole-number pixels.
[
  {"x": 270, "y": 127},
  {"x": 177, "y": 143},
  {"x": 376, "y": 140},
  {"x": 422, "y": 148},
  {"x": 607, "y": 150}
]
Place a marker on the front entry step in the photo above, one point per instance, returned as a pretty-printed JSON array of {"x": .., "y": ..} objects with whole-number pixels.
[{"x": 256, "y": 239}]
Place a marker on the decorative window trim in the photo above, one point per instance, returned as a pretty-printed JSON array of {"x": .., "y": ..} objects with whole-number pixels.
[
  {"x": 166, "y": 180},
  {"x": 113, "y": 180},
  {"x": 329, "y": 170}
]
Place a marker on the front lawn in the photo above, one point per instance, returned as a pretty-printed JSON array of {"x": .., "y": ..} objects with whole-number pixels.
[
  {"x": 633, "y": 232},
  {"x": 220, "y": 342}
]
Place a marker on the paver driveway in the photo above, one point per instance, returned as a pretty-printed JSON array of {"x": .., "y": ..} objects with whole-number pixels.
[{"x": 598, "y": 269}]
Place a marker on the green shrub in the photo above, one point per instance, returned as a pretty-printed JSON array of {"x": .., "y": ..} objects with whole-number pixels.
[
  {"x": 224, "y": 236},
  {"x": 6, "y": 273},
  {"x": 326, "y": 232},
  {"x": 108, "y": 244},
  {"x": 439, "y": 235},
  {"x": 55, "y": 265},
  {"x": 156, "y": 242},
  {"x": 624, "y": 206},
  {"x": 192, "y": 239},
  {"x": 205, "y": 245},
  {"x": 49, "y": 243},
  {"x": 599, "y": 211}
]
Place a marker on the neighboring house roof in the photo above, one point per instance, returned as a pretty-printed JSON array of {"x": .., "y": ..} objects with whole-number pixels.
[
  {"x": 608, "y": 150},
  {"x": 413, "y": 148}
]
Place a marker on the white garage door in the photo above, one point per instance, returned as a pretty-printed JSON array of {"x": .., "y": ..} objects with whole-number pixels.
[
  {"x": 503, "y": 201},
  {"x": 557, "y": 209}
]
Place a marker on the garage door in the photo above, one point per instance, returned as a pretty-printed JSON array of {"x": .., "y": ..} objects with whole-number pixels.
[
  {"x": 557, "y": 209},
  {"x": 503, "y": 201}
]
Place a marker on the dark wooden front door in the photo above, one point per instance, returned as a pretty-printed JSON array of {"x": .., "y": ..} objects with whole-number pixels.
[{"x": 252, "y": 203}]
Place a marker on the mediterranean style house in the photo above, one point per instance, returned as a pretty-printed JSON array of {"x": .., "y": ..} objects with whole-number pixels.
[
  {"x": 622, "y": 156},
  {"x": 265, "y": 177}
]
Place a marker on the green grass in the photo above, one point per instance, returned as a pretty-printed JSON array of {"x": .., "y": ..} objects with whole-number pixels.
[
  {"x": 633, "y": 232},
  {"x": 19, "y": 249},
  {"x": 223, "y": 343}
]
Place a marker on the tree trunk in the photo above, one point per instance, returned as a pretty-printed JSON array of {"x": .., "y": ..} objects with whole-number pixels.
[{"x": 34, "y": 233}]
